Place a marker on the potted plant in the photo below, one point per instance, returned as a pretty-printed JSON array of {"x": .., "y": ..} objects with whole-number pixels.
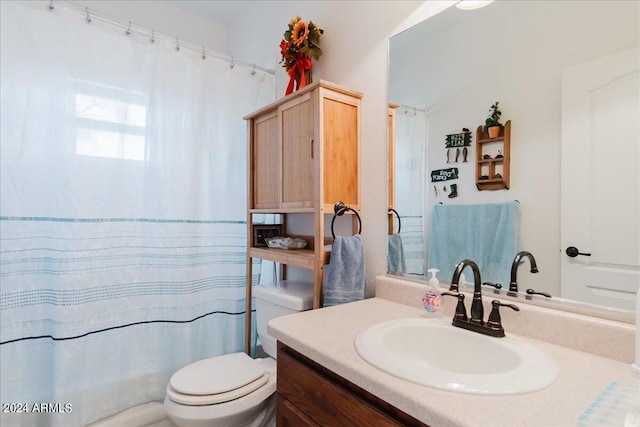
[{"x": 492, "y": 124}]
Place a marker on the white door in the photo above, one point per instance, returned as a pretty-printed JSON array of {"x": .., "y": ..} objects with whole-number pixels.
[{"x": 600, "y": 181}]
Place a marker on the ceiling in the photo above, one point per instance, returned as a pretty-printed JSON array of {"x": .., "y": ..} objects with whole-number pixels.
[{"x": 221, "y": 11}]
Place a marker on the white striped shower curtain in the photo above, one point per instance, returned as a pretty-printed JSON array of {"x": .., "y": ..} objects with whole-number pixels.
[{"x": 122, "y": 214}]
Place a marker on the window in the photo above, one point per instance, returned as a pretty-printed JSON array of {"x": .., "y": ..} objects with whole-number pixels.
[{"x": 108, "y": 124}]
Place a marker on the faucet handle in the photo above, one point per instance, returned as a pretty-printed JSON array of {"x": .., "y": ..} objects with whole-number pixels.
[
  {"x": 534, "y": 292},
  {"x": 461, "y": 310},
  {"x": 494, "y": 285},
  {"x": 494, "y": 322}
]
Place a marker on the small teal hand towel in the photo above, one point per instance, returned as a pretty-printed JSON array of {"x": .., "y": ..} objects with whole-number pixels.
[
  {"x": 488, "y": 234},
  {"x": 345, "y": 275}
]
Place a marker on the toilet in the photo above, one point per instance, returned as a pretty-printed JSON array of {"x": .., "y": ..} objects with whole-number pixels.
[{"x": 234, "y": 389}]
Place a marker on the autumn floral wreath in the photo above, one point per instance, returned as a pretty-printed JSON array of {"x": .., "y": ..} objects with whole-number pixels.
[{"x": 301, "y": 43}]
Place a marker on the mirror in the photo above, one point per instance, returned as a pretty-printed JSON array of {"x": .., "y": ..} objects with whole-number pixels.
[{"x": 447, "y": 71}]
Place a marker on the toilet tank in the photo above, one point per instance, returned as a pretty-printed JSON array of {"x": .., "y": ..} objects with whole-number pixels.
[{"x": 279, "y": 299}]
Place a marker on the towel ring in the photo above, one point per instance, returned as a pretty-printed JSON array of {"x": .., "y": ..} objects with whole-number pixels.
[
  {"x": 397, "y": 215},
  {"x": 339, "y": 209}
]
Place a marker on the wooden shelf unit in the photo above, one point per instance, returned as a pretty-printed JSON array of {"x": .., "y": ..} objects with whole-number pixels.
[
  {"x": 491, "y": 167},
  {"x": 303, "y": 157}
]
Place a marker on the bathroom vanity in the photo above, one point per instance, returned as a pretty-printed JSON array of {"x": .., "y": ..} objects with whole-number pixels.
[
  {"x": 310, "y": 395},
  {"x": 321, "y": 375}
]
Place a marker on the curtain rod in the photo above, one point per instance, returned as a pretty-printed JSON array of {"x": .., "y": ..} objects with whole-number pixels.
[
  {"x": 153, "y": 35},
  {"x": 408, "y": 108}
]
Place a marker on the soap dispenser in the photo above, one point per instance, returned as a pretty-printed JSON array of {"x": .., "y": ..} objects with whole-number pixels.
[
  {"x": 431, "y": 299},
  {"x": 433, "y": 280}
]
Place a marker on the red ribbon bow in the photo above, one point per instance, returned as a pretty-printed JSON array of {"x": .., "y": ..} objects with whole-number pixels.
[{"x": 302, "y": 64}]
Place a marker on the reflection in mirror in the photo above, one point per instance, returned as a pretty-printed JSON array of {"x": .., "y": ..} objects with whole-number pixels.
[
  {"x": 537, "y": 59},
  {"x": 406, "y": 197}
]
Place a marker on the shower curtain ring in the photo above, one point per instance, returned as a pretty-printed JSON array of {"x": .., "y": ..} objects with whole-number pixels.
[
  {"x": 232, "y": 64},
  {"x": 153, "y": 36},
  {"x": 204, "y": 55},
  {"x": 129, "y": 29},
  {"x": 177, "y": 44},
  {"x": 51, "y": 5},
  {"x": 88, "y": 16},
  {"x": 253, "y": 70}
]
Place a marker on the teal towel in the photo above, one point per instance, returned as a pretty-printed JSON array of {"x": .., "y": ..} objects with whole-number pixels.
[
  {"x": 345, "y": 274},
  {"x": 395, "y": 255},
  {"x": 488, "y": 234}
]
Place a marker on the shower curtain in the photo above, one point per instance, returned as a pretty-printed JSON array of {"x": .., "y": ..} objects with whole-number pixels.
[
  {"x": 122, "y": 214},
  {"x": 410, "y": 196}
]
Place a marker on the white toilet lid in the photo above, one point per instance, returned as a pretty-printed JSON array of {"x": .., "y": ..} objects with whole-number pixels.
[
  {"x": 218, "y": 375},
  {"x": 214, "y": 399}
]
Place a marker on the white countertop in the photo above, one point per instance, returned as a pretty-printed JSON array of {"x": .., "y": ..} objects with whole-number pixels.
[{"x": 327, "y": 336}]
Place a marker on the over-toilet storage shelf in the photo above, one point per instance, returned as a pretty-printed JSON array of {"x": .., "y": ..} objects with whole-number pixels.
[
  {"x": 493, "y": 158},
  {"x": 303, "y": 157}
]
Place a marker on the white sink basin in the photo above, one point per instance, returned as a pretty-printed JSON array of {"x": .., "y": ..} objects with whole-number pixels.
[{"x": 436, "y": 354}]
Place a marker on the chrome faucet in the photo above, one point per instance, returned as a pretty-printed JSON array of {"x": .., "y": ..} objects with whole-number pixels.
[
  {"x": 493, "y": 326},
  {"x": 513, "y": 285}
]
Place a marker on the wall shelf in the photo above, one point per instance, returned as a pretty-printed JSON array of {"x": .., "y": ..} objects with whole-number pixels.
[{"x": 493, "y": 173}]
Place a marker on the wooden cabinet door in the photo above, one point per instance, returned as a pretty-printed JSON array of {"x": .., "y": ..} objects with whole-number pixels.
[
  {"x": 265, "y": 162},
  {"x": 287, "y": 415},
  {"x": 297, "y": 156},
  {"x": 341, "y": 161},
  {"x": 310, "y": 393}
]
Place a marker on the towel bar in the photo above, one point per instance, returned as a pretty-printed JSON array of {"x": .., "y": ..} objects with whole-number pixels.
[
  {"x": 338, "y": 210},
  {"x": 515, "y": 200},
  {"x": 397, "y": 215}
]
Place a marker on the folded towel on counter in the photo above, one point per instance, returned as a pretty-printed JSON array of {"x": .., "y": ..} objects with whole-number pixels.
[
  {"x": 345, "y": 275},
  {"x": 395, "y": 254},
  {"x": 488, "y": 234}
]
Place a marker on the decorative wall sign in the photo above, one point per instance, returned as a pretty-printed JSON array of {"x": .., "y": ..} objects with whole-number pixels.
[
  {"x": 456, "y": 141},
  {"x": 462, "y": 139},
  {"x": 444, "y": 174}
]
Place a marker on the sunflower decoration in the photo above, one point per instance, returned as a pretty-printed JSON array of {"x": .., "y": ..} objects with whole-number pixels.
[{"x": 301, "y": 44}]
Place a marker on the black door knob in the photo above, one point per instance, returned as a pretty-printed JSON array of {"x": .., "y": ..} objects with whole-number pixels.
[{"x": 573, "y": 252}]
